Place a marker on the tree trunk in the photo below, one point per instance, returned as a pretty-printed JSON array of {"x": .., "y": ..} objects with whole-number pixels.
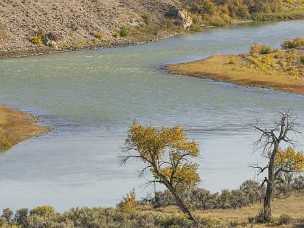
[
  {"x": 267, "y": 204},
  {"x": 267, "y": 214},
  {"x": 180, "y": 203}
]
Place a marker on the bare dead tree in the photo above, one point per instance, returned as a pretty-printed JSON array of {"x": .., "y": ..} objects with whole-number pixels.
[{"x": 271, "y": 140}]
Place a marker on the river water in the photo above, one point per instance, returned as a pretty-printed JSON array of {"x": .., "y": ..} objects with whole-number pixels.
[{"x": 89, "y": 99}]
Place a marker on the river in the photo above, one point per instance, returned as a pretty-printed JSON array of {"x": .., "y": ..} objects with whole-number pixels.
[{"x": 89, "y": 98}]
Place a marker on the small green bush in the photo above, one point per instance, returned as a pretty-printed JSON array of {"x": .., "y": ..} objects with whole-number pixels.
[
  {"x": 266, "y": 50},
  {"x": 260, "y": 49},
  {"x": 124, "y": 31}
]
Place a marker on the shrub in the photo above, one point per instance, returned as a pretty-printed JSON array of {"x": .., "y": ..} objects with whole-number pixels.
[
  {"x": 37, "y": 39},
  {"x": 294, "y": 43},
  {"x": 7, "y": 214},
  {"x": 302, "y": 59},
  {"x": 284, "y": 219},
  {"x": 249, "y": 193},
  {"x": 124, "y": 31},
  {"x": 259, "y": 218},
  {"x": 52, "y": 36},
  {"x": 217, "y": 20},
  {"x": 298, "y": 183},
  {"x": 128, "y": 203},
  {"x": 252, "y": 191},
  {"x": 21, "y": 216},
  {"x": 43, "y": 211},
  {"x": 172, "y": 12},
  {"x": 196, "y": 28},
  {"x": 98, "y": 35},
  {"x": 260, "y": 49},
  {"x": 203, "y": 7}
]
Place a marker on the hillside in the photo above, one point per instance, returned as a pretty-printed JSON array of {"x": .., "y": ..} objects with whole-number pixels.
[
  {"x": 38, "y": 26},
  {"x": 74, "y": 21}
]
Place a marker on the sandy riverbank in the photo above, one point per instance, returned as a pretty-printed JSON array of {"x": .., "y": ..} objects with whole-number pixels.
[
  {"x": 16, "y": 126},
  {"x": 236, "y": 69}
]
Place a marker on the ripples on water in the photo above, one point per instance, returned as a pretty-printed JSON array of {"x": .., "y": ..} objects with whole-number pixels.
[{"x": 90, "y": 98}]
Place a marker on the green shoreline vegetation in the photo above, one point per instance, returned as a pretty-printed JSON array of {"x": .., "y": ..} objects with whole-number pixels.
[{"x": 263, "y": 66}]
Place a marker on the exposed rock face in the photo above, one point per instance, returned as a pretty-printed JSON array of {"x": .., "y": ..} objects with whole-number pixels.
[
  {"x": 50, "y": 39},
  {"x": 184, "y": 19},
  {"x": 181, "y": 16}
]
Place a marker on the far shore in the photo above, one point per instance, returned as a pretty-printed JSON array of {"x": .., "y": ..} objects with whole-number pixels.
[
  {"x": 43, "y": 50},
  {"x": 33, "y": 50},
  {"x": 229, "y": 68},
  {"x": 17, "y": 126}
]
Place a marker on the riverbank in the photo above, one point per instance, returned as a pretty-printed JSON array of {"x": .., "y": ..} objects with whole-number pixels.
[
  {"x": 278, "y": 69},
  {"x": 16, "y": 126},
  {"x": 44, "y": 50}
]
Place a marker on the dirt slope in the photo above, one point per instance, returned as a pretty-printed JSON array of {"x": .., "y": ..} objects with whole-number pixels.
[{"x": 72, "y": 19}]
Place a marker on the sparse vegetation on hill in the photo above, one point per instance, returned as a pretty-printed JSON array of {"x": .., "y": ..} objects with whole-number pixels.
[
  {"x": 77, "y": 23},
  {"x": 217, "y": 13}
]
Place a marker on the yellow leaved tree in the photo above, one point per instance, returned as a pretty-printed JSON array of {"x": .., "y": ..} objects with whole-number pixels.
[
  {"x": 167, "y": 153},
  {"x": 289, "y": 160}
]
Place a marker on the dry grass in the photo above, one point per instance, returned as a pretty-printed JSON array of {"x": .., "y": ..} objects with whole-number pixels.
[
  {"x": 238, "y": 70},
  {"x": 292, "y": 206},
  {"x": 17, "y": 126}
]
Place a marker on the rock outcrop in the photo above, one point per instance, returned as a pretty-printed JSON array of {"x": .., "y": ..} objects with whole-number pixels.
[{"x": 184, "y": 19}]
